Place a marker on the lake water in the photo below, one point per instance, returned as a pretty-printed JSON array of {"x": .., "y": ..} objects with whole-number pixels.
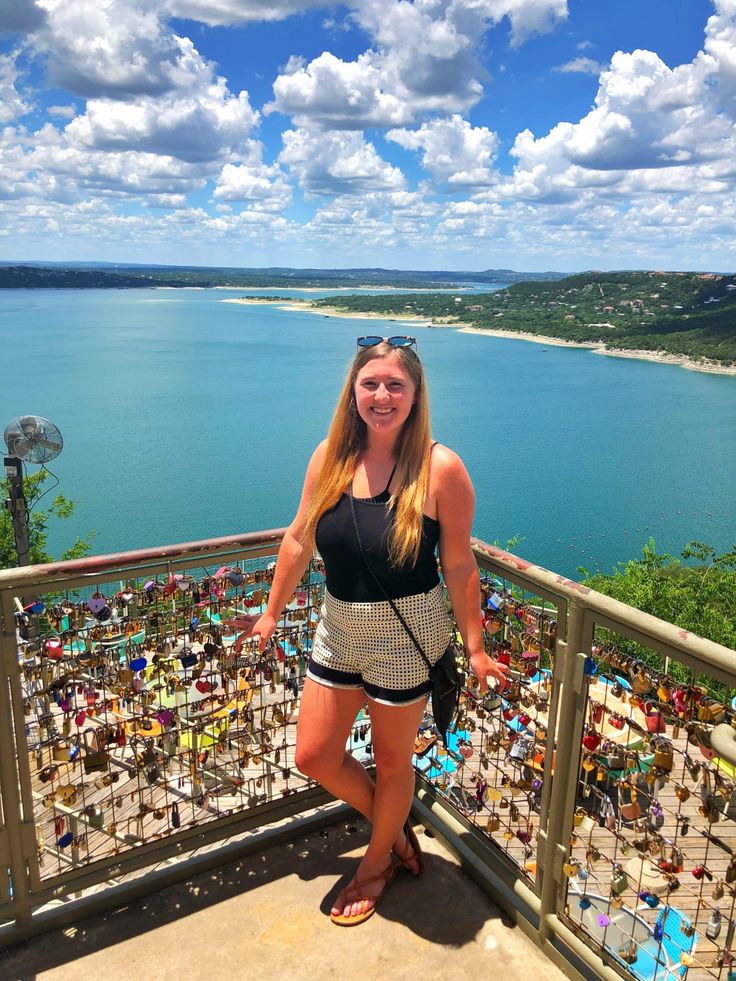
[{"x": 185, "y": 417}]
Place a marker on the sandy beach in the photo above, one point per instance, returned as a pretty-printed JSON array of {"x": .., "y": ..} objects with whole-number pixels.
[
  {"x": 305, "y": 307},
  {"x": 521, "y": 336},
  {"x": 709, "y": 367},
  {"x": 328, "y": 289}
]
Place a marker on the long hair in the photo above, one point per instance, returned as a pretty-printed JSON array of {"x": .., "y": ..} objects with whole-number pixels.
[{"x": 345, "y": 442}]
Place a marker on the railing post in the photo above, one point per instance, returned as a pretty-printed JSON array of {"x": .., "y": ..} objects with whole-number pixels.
[
  {"x": 15, "y": 830},
  {"x": 569, "y": 681}
]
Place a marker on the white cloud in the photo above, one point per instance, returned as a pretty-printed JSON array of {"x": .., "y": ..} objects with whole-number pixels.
[
  {"x": 337, "y": 94},
  {"x": 148, "y": 90},
  {"x": 527, "y": 16},
  {"x": 12, "y": 103},
  {"x": 424, "y": 59},
  {"x": 581, "y": 66},
  {"x": 63, "y": 112},
  {"x": 197, "y": 124},
  {"x": 20, "y": 16},
  {"x": 264, "y": 187},
  {"x": 115, "y": 49},
  {"x": 648, "y": 119},
  {"x": 44, "y": 166},
  {"x": 222, "y": 12},
  {"x": 720, "y": 45},
  {"x": 453, "y": 150},
  {"x": 337, "y": 163}
]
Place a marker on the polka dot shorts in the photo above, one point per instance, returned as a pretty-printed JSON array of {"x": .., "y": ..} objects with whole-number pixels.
[{"x": 364, "y": 645}]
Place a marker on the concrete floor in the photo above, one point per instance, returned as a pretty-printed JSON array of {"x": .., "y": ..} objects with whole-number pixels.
[{"x": 267, "y": 917}]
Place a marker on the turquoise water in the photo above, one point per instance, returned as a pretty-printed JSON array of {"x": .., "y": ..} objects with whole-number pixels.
[{"x": 185, "y": 417}]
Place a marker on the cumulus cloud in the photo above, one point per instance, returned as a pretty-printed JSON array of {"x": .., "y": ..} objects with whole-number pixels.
[
  {"x": 20, "y": 16},
  {"x": 148, "y": 90},
  {"x": 115, "y": 49},
  {"x": 339, "y": 94},
  {"x": 203, "y": 123},
  {"x": 221, "y": 12},
  {"x": 453, "y": 151},
  {"x": 263, "y": 186},
  {"x": 424, "y": 59},
  {"x": 64, "y": 112},
  {"x": 646, "y": 115},
  {"x": 337, "y": 163},
  {"x": 12, "y": 103},
  {"x": 720, "y": 46},
  {"x": 654, "y": 129},
  {"x": 581, "y": 66},
  {"x": 158, "y": 123}
]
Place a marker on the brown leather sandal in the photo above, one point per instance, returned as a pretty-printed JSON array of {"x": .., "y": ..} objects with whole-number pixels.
[
  {"x": 416, "y": 852},
  {"x": 355, "y": 892}
]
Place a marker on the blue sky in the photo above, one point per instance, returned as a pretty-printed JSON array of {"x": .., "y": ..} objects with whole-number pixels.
[{"x": 446, "y": 134}]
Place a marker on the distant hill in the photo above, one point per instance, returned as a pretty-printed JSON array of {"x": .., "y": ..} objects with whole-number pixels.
[
  {"x": 79, "y": 275},
  {"x": 688, "y": 314}
]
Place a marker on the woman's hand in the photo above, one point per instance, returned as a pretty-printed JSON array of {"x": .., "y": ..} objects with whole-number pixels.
[
  {"x": 243, "y": 623},
  {"x": 263, "y": 628},
  {"x": 484, "y": 667},
  {"x": 253, "y": 626}
]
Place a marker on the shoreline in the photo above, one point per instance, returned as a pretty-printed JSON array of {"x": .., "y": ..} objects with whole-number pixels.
[
  {"x": 326, "y": 289},
  {"x": 306, "y": 307},
  {"x": 659, "y": 357},
  {"x": 678, "y": 360},
  {"x": 519, "y": 335}
]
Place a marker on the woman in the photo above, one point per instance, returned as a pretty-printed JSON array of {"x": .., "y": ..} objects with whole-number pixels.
[{"x": 409, "y": 495}]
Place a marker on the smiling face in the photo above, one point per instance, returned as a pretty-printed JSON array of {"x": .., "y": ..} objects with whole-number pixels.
[{"x": 384, "y": 393}]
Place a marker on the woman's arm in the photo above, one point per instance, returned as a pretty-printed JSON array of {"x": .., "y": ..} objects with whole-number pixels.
[
  {"x": 292, "y": 559},
  {"x": 455, "y": 506}
]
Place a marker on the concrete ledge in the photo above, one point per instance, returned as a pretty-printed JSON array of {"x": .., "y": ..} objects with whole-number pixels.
[{"x": 267, "y": 917}]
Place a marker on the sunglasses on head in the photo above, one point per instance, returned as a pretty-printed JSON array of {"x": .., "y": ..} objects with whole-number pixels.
[{"x": 399, "y": 340}]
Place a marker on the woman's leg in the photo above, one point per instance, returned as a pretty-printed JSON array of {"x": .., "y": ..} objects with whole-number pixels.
[
  {"x": 326, "y": 716},
  {"x": 393, "y": 731}
]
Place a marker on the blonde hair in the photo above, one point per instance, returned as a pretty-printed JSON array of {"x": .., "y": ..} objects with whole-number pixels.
[{"x": 345, "y": 441}]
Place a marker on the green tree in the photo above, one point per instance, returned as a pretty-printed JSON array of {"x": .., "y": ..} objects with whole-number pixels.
[
  {"x": 699, "y": 597},
  {"x": 38, "y": 525}
]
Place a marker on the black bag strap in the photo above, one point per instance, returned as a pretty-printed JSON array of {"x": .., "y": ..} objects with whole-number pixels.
[{"x": 380, "y": 585}]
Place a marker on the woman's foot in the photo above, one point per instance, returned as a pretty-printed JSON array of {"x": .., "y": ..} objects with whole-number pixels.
[
  {"x": 407, "y": 850},
  {"x": 357, "y": 901}
]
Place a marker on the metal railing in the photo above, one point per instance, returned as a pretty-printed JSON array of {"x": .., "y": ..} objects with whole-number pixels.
[{"x": 141, "y": 732}]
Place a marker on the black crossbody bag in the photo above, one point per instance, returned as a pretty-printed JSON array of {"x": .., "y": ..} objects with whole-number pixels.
[{"x": 443, "y": 675}]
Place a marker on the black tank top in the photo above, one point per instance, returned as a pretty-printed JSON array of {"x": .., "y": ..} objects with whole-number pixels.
[{"x": 345, "y": 572}]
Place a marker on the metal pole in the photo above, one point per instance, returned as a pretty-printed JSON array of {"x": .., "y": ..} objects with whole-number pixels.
[{"x": 16, "y": 505}]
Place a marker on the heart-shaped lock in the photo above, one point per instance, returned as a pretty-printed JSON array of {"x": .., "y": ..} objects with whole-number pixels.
[
  {"x": 571, "y": 868},
  {"x": 592, "y": 740},
  {"x": 96, "y": 603},
  {"x": 681, "y": 792}
]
